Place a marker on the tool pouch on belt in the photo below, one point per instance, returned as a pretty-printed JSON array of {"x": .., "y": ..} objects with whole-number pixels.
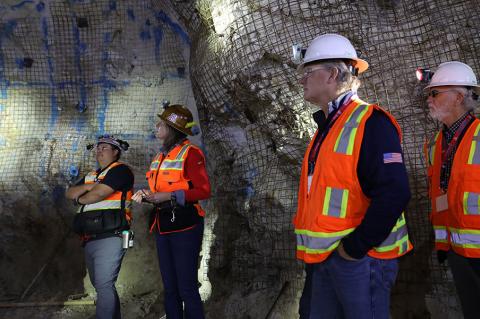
[
  {"x": 171, "y": 218},
  {"x": 99, "y": 222}
]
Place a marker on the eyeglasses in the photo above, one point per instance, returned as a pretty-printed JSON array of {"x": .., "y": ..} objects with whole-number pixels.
[
  {"x": 308, "y": 72},
  {"x": 434, "y": 93},
  {"x": 102, "y": 147}
]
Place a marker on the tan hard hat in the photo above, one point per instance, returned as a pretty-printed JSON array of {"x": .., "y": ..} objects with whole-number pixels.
[{"x": 178, "y": 117}]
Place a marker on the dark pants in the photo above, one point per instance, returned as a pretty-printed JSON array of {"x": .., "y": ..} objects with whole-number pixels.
[
  {"x": 178, "y": 258},
  {"x": 104, "y": 258},
  {"x": 466, "y": 275},
  {"x": 339, "y": 288}
]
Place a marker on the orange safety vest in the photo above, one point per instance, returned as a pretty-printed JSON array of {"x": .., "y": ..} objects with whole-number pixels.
[
  {"x": 166, "y": 173},
  {"x": 114, "y": 200},
  {"x": 336, "y": 204},
  {"x": 458, "y": 225}
]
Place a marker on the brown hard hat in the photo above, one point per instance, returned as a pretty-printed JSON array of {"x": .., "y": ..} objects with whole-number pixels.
[{"x": 178, "y": 117}]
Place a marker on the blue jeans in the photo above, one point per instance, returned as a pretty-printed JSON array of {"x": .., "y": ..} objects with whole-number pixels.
[
  {"x": 178, "y": 258},
  {"x": 104, "y": 258},
  {"x": 339, "y": 288}
]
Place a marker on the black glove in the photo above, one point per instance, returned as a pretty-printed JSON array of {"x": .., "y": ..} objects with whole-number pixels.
[{"x": 441, "y": 256}]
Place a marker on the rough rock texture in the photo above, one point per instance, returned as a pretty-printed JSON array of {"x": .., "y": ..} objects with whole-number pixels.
[{"x": 72, "y": 70}]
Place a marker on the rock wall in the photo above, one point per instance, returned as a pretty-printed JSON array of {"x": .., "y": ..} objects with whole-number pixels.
[{"x": 73, "y": 70}]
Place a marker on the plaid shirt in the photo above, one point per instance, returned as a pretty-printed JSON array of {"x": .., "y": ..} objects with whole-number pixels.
[{"x": 448, "y": 133}]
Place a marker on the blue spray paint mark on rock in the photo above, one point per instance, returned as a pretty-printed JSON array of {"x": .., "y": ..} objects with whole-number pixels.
[
  {"x": 2, "y": 107},
  {"x": 82, "y": 47},
  {"x": 130, "y": 14},
  {"x": 53, "y": 98},
  {"x": 73, "y": 171},
  {"x": 145, "y": 35},
  {"x": 6, "y": 29},
  {"x": 249, "y": 191},
  {"x": 40, "y": 6},
  {"x": 158, "y": 34},
  {"x": 21, "y": 4},
  {"x": 19, "y": 62},
  {"x": 112, "y": 5},
  {"x": 163, "y": 17},
  {"x": 79, "y": 49},
  {"x": 106, "y": 85},
  {"x": 3, "y": 142}
]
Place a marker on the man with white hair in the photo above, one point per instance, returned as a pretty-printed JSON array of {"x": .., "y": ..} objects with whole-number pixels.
[
  {"x": 453, "y": 166},
  {"x": 349, "y": 224}
]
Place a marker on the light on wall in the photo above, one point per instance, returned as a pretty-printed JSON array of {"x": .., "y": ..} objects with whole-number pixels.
[{"x": 222, "y": 16}]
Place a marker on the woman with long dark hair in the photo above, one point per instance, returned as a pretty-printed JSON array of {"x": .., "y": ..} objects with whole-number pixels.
[{"x": 177, "y": 180}]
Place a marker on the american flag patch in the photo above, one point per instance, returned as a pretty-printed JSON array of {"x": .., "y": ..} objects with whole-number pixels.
[{"x": 392, "y": 158}]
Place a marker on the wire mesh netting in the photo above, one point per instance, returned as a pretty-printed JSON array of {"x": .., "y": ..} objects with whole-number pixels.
[
  {"x": 72, "y": 70},
  {"x": 255, "y": 120}
]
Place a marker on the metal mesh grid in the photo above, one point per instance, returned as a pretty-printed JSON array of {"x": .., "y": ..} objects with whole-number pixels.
[
  {"x": 245, "y": 83},
  {"x": 104, "y": 66}
]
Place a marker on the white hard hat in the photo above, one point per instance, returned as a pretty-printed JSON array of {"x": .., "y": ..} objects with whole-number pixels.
[
  {"x": 332, "y": 46},
  {"x": 454, "y": 73}
]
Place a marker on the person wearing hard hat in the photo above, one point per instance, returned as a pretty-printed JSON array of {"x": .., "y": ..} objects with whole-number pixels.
[
  {"x": 453, "y": 166},
  {"x": 177, "y": 180},
  {"x": 350, "y": 223},
  {"x": 104, "y": 199}
]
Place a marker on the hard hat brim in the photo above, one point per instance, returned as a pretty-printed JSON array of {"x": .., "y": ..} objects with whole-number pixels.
[
  {"x": 186, "y": 131},
  {"x": 476, "y": 88},
  {"x": 361, "y": 64}
]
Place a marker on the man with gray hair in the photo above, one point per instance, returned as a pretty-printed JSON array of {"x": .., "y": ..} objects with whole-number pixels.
[
  {"x": 453, "y": 167},
  {"x": 349, "y": 224}
]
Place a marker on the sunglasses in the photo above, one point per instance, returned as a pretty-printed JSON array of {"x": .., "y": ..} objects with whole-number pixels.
[{"x": 434, "y": 93}]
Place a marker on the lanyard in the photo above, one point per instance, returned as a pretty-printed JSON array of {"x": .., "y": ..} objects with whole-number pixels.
[
  {"x": 312, "y": 157},
  {"x": 447, "y": 149}
]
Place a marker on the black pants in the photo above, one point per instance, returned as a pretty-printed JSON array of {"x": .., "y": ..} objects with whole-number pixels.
[{"x": 466, "y": 275}]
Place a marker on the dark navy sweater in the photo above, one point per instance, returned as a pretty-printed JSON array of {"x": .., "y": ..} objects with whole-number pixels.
[{"x": 386, "y": 185}]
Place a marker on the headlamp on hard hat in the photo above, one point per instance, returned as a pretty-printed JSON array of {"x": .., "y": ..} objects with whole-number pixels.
[
  {"x": 112, "y": 140},
  {"x": 298, "y": 53},
  {"x": 352, "y": 69},
  {"x": 165, "y": 103},
  {"x": 424, "y": 75}
]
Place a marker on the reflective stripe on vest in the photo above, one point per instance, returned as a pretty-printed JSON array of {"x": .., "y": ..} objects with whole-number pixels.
[
  {"x": 335, "y": 203},
  {"x": 155, "y": 164},
  {"x": 107, "y": 204},
  {"x": 113, "y": 201},
  {"x": 177, "y": 163},
  {"x": 466, "y": 238},
  {"x": 398, "y": 237},
  {"x": 346, "y": 139},
  {"x": 441, "y": 234},
  {"x": 431, "y": 149},
  {"x": 471, "y": 203},
  {"x": 167, "y": 175},
  {"x": 457, "y": 227},
  {"x": 474, "y": 155},
  {"x": 318, "y": 242}
]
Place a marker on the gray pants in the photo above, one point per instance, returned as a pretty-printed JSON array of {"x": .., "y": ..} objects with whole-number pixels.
[
  {"x": 467, "y": 281},
  {"x": 104, "y": 258}
]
